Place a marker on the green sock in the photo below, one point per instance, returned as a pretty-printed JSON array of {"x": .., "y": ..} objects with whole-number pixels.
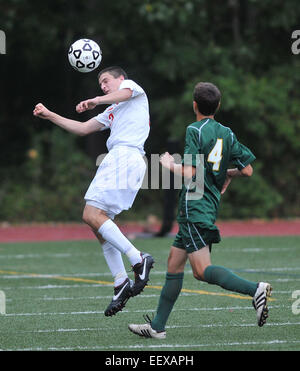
[
  {"x": 168, "y": 297},
  {"x": 223, "y": 277}
]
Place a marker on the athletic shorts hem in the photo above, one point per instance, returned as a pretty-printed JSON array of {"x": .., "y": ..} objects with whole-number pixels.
[
  {"x": 100, "y": 206},
  {"x": 191, "y": 237}
]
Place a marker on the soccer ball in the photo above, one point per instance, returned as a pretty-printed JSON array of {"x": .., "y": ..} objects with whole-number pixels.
[{"x": 84, "y": 55}]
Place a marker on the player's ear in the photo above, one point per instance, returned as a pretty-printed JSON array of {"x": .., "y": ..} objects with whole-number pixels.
[{"x": 195, "y": 107}]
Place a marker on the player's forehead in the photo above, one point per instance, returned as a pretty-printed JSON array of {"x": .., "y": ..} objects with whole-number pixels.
[{"x": 105, "y": 76}]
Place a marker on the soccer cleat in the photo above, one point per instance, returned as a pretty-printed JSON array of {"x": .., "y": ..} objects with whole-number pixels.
[
  {"x": 121, "y": 295},
  {"x": 141, "y": 272},
  {"x": 259, "y": 302},
  {"x": 146, "y": 330}
]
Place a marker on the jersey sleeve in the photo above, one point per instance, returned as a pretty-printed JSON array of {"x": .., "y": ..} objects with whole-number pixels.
[
  {"x": 104, "y": 117},
  {"x": 191, "y": 148},
  {"x": 241, "y": 156},
  {"x": 133, "y": 86}
]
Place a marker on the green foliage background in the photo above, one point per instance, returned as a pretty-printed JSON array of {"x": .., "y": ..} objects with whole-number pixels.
[{"x": 167, "y": 46}]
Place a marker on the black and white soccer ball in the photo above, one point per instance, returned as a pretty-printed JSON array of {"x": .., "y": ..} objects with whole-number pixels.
[{"x": 85, "y": 55}]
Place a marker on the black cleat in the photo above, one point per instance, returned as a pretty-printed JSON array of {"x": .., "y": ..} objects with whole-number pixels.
[
  {"x": 141, "y": 272},
  {"x": 121, "y": 295}
]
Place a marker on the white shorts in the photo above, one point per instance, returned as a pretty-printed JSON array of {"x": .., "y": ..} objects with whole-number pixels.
[{"x": 117, "y": 181}]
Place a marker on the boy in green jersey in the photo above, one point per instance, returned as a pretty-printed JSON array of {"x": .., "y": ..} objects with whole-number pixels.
[{"x": 210, "y": 148}]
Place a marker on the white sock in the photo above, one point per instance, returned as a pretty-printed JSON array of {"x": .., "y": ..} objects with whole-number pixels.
[
  {"x": 111, "y": 233},
  {"x": 115, "y": 263}
]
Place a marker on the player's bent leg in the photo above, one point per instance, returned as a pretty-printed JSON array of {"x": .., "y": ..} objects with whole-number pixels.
[
  {"x": 115, "y": 263},
  {"x": 112, "y": 233},
  {"x": 107, "y": 230},
  {"x": 142, "y": 263},
  {"x": 223, "y": 277},
  {"x": 122, "y": 285}
]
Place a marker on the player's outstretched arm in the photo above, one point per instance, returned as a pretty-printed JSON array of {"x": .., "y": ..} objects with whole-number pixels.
[
  {"x": 168, "y": 162},
  {"x": 111, "y": 98},
  {"x": 73, "y": 126}
]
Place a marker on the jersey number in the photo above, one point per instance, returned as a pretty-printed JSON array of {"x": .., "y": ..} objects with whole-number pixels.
[{"x": 215, "y": 155}]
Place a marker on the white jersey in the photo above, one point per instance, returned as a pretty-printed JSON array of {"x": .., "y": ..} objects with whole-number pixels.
[{"x": 128, "y": 121}]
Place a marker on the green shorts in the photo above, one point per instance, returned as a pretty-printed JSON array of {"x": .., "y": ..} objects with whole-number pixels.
[{"x": 191, "y": 237}]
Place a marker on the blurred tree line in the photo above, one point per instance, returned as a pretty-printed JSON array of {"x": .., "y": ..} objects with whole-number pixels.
[{"x": 167, "y": 46}]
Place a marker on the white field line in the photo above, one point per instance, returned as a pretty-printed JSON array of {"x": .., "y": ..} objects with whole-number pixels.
[
  {"x": 45, "y": 287},
  {"x": 274, "y": 342},
  {"x": 99, "y": 297},
  {"x": 54, "y": 275},
  {"x": 96, "y": 329},
  {"x": 283, "y": 280},
  {"x": 256, "y": 249},
  {"x": 99, "y": 253},
  {"x": 136, "y": 311},
  {"x": 97, "y": 285},
  {"x": 108, "y": 274},
  {"x": 39, "y": 256}
]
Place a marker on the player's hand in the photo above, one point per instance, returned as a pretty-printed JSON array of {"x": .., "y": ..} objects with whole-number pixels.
[
  {"x": 167, "y": 160},
  {"x": 226, "y": 183},
  {"x": 86, "y": 105},
  {"x": 41, "y": 111}
]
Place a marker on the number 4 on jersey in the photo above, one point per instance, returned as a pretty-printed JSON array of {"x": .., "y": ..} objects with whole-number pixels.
[{"x": 215, "y": 155}]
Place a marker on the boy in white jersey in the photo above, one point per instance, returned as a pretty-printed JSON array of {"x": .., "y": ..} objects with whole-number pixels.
[{"x": 119, "y": 176}]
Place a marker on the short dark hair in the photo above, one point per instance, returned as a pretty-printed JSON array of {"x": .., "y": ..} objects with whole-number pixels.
[
  {"x": 207, "y": 96},
  {"x": 115, "y": 71}
]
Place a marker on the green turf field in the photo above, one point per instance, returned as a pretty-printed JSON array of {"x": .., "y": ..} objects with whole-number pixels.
[{"x": 56, "y": 294}]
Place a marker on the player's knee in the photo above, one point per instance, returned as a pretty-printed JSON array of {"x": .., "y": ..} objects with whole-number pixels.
[
  {"x": 199, "y": 275},
  {"x": 94, "y": 217}
]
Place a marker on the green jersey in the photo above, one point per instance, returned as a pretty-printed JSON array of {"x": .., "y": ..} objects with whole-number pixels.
[{"x": 211, "y": 148}]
